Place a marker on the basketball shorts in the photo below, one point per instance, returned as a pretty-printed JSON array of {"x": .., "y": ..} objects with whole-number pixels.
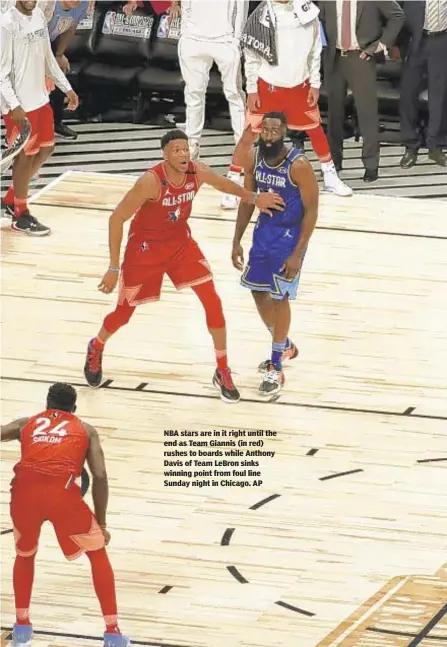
[
  {"x": 264, "y": 273},
  {"x": 36, "y": 500},
  {"x": 291, "y": 101},
  {"x": 141, "y": 279},
  {"x": 42, "y": 129}
]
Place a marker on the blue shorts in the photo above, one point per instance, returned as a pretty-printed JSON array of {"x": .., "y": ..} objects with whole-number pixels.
[{"x": 263, "y": 273}]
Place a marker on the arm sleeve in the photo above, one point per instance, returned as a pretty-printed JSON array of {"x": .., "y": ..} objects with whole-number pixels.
[
  {"x": 241, "y": 17},
  {"x": 52, "y": 69},
  {"x": 7, "y": 90},
  {"x": 252, "y": 65},
  {"x": 315, "y": 58}
]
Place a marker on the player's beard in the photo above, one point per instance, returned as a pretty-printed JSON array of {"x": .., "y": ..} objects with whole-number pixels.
[{"x": 271, "y": 151}]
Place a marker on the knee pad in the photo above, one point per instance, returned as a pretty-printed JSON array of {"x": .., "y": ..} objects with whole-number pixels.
[{"x": 211, "y": 303}]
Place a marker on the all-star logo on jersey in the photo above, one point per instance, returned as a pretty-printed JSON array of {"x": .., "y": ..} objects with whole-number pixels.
[
  {"x": 173, "y": 216},
  {"x": 144, "y": 247}
]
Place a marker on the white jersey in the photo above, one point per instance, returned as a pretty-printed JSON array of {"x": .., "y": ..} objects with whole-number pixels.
[
  {"x": 220, "y": 21},
  {"x": 26, "y": 59},
  {"x": 299, "y": 53}
]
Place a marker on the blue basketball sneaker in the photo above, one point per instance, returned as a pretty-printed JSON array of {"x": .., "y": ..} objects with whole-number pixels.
[
  {"x": 22, "y": 635},
  {"x": 116, "y": 640}
]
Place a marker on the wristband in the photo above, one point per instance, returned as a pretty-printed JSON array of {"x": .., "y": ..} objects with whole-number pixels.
[{"x": 114, "y": 269}]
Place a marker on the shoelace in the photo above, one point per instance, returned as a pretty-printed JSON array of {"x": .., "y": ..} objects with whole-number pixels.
[
  {"x": 271, "y": 375},
  {"x": 226, "y": 379},
  {"x": 94, "y": 359}
]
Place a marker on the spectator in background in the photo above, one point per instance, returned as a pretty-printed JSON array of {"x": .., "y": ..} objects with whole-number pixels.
[
  {"x": 282, "y": 47},
  {"x": 65, "y": 17},
  {"x": 211, "y": 35},
  {"x": 158, "y": 6},
  {"x": 356, "y": 31},
  {"x": 426, "y": 29}
]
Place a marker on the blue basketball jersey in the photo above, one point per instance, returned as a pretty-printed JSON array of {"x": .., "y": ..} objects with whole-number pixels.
[{"x": 283, "y": 227}]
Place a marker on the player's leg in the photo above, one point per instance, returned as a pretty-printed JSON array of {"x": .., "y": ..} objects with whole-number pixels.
[
  {"x": 78, "y": 532},
  {"x": 228, "y": 60},
  {"x": 191, "y": 269},
  {"x": 302, "y": 117},
  {"x": 138, "y": 285},
  {"x": 282, "y": 290},
  {"x": 195, "y": 64},
  {"x": 266, "y": 309},
  {"x": 39, "y": 148},
  {"x": 27, "y": 518}
]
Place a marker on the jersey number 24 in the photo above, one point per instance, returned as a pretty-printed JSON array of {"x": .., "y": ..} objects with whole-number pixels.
[{"x": 44, "y": 427}]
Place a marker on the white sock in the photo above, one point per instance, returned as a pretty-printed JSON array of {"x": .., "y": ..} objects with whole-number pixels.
[{"x": 328, "y": 167}]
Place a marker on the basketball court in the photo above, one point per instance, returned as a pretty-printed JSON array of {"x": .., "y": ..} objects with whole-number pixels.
[{"x": 344, "y": 543}]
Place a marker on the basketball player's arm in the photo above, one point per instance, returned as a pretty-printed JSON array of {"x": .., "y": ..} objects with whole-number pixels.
[
  {"x": 100, "y": 485},
  {"x": 12, "y": 430},
  {"x": 303, "y": 176},
  {"x": 7, "y": 90},
  {"x": 264, "y": 201},
  {"x": 244, "y": 215}
]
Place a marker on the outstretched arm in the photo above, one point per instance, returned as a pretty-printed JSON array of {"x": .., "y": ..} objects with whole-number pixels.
[
  {"x": 264, "y": 201},
  {"x": 12, "y": 430}
]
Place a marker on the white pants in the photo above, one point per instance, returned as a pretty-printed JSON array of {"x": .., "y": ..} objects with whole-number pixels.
[{"x": 196, "y": 59}]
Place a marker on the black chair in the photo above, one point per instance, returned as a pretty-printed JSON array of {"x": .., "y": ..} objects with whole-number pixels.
[
  {"x": 82, "y": 47},
  {"x": 162, "y": 77}
]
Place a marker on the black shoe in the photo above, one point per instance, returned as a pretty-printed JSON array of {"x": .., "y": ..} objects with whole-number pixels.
[
  {"x": 438, "y": 156},
  {"x": 409, "y": 159},
  {"x": 7, "y": 210},
  {"x": 64, "y": 131},
  {"x": 272, "y": 382},
  {"x": 371, "y": 175},
  {"x": 28, "y": 224},
  {"x": 223, "y": 381},
  {"x": 93, "y": 366},
  {"x": 288, "y": 354}
]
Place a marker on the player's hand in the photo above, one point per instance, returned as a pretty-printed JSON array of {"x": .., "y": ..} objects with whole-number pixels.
[
  {"x": 107, "y": 536},
  {"x": 109, "y": 281},
  {"x": 292, "y": 266},
  {"x": 18, "y": 115},
  {"x": 312, "y": 97},
  {"x": 174, "y": 12},
  {"x": 237, "y": 256},
  {"x": 253, "y": 102},
  {"x": 269, "y": 200},
  {"x": 73, "y": 100},
  {"x": 63, "y": 63}
]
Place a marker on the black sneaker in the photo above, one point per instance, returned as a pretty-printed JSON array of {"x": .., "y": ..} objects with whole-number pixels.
[
  {"x": 28, "y": 224},
  {"x": 223, "y": 381},
  {"x": 93, "y": 366},
  {"x": 273, "y": 381},
  {"x": 7, "y": 210},
  {"x": 289, "y": 353},
  {"x": 65, "y": 131}
]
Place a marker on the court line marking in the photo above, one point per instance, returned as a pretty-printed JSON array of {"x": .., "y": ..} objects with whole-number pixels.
[
  {"x": 56, "y": 634},
  {"x": 49, "y": 186},
  {"x": 404, "y": 634},
  {"x": 224, "y": 219},
  {"x": 428, "y": 627},
  {"x": 206, "y": 396}
]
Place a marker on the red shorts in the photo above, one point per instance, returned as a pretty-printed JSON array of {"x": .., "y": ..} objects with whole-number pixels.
[
  {"x": 144, "y": 268},
  {"x": 42, "y": 129},
  {"x": 37, "y": 499},
  {"x": 291, "y": 101}
]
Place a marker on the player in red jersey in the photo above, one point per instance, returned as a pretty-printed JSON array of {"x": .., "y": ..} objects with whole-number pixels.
[
  {"x": 54, "y": 446},
  {"x": 160, "y": 243}
]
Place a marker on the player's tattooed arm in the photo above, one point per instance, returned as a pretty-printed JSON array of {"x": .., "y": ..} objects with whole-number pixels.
[
  {"x": 244, "y": 214},
  {"x": 13, "y": 430},
  {"x": 97, "y": 465},
  {"x": 264, "y": 201},
  {"x": 147, "y": 187},
  {"x": 303, "y": 175}
]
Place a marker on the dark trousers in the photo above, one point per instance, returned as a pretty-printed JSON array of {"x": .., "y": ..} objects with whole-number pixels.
[
  {"x": 57, "y": 99},
  {"x": 430, "y": 57},
  {"x": 360, "y": 75}
]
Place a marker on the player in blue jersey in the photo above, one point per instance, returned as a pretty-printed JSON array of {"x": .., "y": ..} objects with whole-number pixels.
[{"x": 280, "y": 240}]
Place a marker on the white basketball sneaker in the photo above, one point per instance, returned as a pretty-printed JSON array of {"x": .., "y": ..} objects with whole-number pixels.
[
  {"x": 332, "y": 182},
  {"x": 231, "y": 201},
  {"x": 22, "y": 635}
]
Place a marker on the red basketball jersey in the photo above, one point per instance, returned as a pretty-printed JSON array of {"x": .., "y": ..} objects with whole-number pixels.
[
  {"x": 164, "y": 219},
  {"x": 53, "y": 443}
]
